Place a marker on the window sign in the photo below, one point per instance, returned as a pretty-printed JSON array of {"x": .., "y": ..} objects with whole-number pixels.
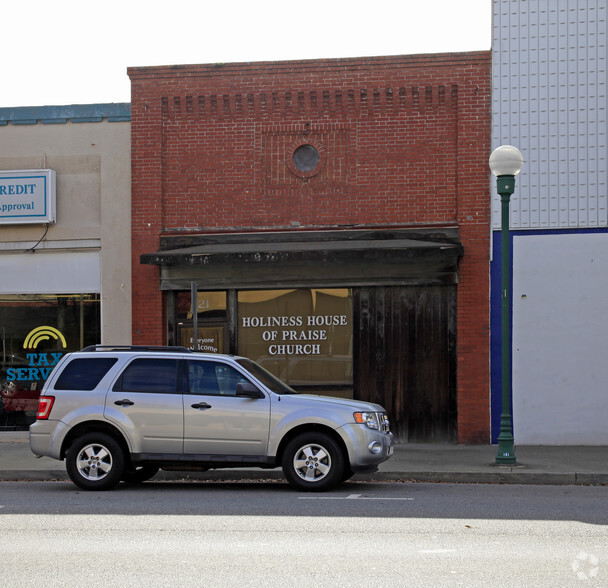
[
  {"x": 27, "y": 196},
  {"x": 210, "y": 339},
  {"x": 39, "y": 363},
  {"x": 302, "y": 336}
]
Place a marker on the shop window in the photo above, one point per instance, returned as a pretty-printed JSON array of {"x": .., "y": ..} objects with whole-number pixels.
[
  {"x": 210, "y": 305},
  {"x": 36, "y": 330},
  {"x": 302, "y": 336}
]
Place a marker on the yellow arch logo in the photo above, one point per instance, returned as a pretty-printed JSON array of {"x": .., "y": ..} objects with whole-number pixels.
[{"x": 42, "y": 334}]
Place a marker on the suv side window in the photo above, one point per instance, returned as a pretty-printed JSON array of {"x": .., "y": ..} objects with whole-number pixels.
[
  {"x": 212, "y": 378},
  {"x": 84, "y": 373},
  {"x": 149, "y": 375}
]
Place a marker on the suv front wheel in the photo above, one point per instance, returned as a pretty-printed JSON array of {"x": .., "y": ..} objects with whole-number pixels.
[
  {"x": 313, "y": 462},
  {"x": 139, "y": 474},
  {"x": 95, "y": 461}
]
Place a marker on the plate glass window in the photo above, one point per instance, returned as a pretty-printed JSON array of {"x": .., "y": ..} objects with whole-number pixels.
[
  {"x": 303, "y": 336},
  {"x": 36, "y": 330}
]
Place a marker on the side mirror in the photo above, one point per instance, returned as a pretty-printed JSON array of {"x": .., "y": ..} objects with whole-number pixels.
[{"x": 248, "y": 390}]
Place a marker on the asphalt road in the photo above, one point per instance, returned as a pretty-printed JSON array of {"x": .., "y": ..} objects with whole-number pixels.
[{"x": 264, "y": 534}]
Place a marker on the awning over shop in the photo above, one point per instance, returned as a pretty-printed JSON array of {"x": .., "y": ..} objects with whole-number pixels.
[{"x": 309, "y": 259}]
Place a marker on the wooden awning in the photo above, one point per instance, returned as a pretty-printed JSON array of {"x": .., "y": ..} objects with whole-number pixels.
[{"x": 309, "y": 259}]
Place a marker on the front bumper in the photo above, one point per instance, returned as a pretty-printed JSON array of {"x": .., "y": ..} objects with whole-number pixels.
[{"x": 367, "y": 448}]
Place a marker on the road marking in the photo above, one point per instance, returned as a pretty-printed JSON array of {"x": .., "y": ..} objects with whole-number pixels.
[
  {"x": 349, "y": 497},
  {"x": 437, "y": 551}
]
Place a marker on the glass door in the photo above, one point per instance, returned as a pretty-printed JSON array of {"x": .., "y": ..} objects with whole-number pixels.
[{"x": 210, "y": 321}]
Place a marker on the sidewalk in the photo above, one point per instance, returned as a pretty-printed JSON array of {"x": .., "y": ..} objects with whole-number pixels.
[{"x": 416, "y": 462}]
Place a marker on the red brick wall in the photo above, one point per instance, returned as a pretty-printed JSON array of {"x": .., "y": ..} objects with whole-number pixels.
[{"x": 404, "y": 141}]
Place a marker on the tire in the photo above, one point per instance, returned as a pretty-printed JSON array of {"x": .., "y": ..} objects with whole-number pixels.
[
  {"x": 348, "y": 474},
  {"x": 95, "y": 461},
  {"x": 313, "y": 462},
  {"x": 138, "y": 474}
]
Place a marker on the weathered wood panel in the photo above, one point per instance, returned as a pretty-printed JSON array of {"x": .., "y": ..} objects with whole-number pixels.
[{"x": 405, "y": 357}]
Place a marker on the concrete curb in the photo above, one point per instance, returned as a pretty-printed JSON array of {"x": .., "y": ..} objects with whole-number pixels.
[
  {"x": 489, "y": 478},
  {"x": 503, "y": 477}
]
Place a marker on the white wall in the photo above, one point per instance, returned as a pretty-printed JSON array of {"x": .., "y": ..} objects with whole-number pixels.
[
  {"x": 46, "y": 272},
  {"x": 560, "y": 339}
]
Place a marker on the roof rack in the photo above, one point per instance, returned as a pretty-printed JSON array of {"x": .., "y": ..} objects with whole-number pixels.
[{"x": 174, "y": 349}]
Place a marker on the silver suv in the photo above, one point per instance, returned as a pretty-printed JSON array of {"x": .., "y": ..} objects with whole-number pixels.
[{"x": 124, "y": 412}]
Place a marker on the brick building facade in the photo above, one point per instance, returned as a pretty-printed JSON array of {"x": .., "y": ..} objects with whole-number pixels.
[{"x": 264, "y": 193}]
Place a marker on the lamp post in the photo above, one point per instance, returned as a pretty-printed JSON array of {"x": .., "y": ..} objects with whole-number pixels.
[{"x": 505, "y": 162}]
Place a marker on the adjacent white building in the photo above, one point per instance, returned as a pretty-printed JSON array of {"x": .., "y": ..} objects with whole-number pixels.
[
  {"x": 65, "y": 241},
  {"x": 549, "y": 100}
]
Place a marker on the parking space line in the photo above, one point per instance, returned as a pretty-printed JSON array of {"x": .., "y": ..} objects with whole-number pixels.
[{"x": 350, "y": 497}]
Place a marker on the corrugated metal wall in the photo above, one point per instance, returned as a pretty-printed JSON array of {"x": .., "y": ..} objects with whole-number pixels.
[{"x": 549, "y": 99}]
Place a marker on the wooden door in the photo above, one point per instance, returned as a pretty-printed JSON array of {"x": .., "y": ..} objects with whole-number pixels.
[{"x": 405, "y": 358}]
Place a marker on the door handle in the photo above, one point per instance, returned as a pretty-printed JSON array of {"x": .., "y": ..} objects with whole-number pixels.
[
  {"x": 124, "y": 402},
  {"x": 201, "y": 405}
]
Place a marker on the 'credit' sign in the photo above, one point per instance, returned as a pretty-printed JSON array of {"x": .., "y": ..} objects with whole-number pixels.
[{"x": 27, "y": 196}]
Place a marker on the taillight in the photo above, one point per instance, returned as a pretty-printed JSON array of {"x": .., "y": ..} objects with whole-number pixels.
[{"x": 45, "y": 403}]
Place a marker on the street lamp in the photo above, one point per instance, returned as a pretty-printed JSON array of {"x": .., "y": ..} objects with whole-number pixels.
[{"x": 505, "y": 163}]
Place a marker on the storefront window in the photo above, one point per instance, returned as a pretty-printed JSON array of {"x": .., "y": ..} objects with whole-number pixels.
[
  {"x": 36, "y": 330},
  {"x": 209, "y": 305},
  {"x": 302, "y": 336}
]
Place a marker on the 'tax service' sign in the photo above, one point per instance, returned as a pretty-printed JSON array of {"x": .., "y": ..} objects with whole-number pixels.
[{"x": 27, "y": 196}]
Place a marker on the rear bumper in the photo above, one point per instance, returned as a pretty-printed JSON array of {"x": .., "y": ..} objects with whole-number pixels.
[{"x": 44, "y": 439}]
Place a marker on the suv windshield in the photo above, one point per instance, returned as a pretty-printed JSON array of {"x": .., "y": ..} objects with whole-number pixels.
[{"x": 271, "y": 382}]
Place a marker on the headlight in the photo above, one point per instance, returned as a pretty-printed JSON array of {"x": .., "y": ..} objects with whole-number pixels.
[
  {"x": 378, "y": 421},
  {"x": 367, "y": 418}
]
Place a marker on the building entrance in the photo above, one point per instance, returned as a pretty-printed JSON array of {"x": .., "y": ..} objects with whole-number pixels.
[{"x": 212, "y": 337}]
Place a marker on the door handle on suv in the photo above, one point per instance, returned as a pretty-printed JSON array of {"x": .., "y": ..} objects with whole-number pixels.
[
  {"x": 124, "y": 402},
  {"x": 201, "y": 405}
]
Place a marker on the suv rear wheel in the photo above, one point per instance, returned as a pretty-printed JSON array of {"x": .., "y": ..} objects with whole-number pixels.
[
  {"x": 313, "y": 462},
  {"x": 95, "y": 461}
]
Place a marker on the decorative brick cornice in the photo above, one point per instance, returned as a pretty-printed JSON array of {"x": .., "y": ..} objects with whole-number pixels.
[{"x": 303, "y": 102}]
